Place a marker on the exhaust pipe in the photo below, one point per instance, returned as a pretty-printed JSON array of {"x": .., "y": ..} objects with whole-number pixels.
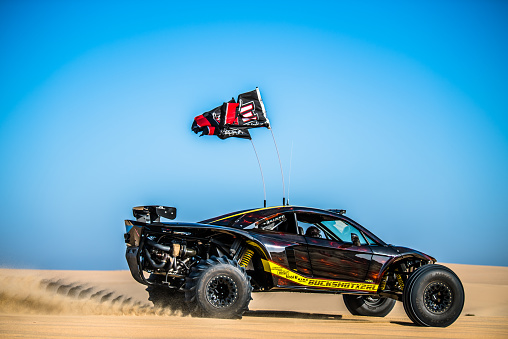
[
  {"x": 159, "y": 246},
  {"x": 152, "y": 262}
]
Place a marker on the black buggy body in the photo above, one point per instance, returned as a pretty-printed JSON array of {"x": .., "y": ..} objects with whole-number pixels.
[{"x": 210, "y": 268}]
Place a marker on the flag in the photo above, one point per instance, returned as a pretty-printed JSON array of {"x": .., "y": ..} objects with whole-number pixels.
[
  {"x": 213, "y": 123},
  {"x": 233, "y": 119}
]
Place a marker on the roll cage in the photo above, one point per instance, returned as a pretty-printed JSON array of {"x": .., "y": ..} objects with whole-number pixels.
[{"x": 261, "y": 218}]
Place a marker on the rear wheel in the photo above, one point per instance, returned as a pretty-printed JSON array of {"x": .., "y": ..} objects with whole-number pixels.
[
  {"x": 433, "y": 296},
  {"x": 218, "y": 287},
  {"x": 368, "y": 305}
]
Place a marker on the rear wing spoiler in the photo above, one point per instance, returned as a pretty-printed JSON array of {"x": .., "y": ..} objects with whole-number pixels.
[{"x": 150, "y": 214}]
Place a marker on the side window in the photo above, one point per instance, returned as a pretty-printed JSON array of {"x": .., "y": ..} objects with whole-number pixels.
[
  {"x": 311, "y": 230},
  {"x": 309, "y": 225},
  {"x": 343, "y": 230}
]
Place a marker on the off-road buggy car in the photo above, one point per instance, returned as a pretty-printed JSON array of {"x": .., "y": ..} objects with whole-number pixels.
[{"x": 210, "y": 268}]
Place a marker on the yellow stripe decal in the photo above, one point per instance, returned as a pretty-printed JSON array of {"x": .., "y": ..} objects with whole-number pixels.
[
  {"x": 326, "y": 283},
  {"x": 235, "y": 215}
]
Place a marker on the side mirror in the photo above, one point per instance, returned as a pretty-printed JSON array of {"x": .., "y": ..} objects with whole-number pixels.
[{"x": 355, "y": 239}]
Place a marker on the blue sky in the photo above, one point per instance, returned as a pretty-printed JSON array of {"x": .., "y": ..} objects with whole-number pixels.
[{"x": 396, "y": 112}]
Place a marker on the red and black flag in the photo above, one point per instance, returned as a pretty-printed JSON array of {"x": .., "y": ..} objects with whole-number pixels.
[
  {"x": 233, "y": 119},
  {"x": 210, "y": 123}
]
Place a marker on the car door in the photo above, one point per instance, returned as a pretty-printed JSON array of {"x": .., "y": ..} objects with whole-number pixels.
[
  {"x": 332, "y": 252},
  {"x": 278, "y": 232}
]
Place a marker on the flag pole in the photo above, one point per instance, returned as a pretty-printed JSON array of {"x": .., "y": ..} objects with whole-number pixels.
[
  {"x": 281, "y": 172},
  {"x": 290, "y": 162},
  {"x": 261, "y": 170}
]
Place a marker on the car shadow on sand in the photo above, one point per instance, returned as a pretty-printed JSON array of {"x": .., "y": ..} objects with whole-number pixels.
[
  {"x": 404, "y": 323},
  {"x": 318, "y": 316},
  {"x": 296, "y": 315}
]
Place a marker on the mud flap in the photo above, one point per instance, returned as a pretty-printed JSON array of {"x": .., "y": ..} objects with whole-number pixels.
[{"x": 131, "y": 254}]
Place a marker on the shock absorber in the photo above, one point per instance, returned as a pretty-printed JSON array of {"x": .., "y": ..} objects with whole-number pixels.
[
  {"x": 246, "y": 257},
  {"x": 400, "y": 281},
  {"x": 382, "y": 285}
]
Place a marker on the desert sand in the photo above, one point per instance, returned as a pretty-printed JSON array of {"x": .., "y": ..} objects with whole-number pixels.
[{"x": 110, "y": 304}]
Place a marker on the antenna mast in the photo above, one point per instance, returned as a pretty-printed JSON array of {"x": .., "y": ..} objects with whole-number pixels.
[
  {"x": 261, "y": 170},
  {"x": 290, "y": 162},
  {"x": 281, "y": 172}
]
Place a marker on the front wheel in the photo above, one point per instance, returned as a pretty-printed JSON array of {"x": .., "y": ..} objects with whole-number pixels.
[
  {"x": 433, "y": 296},
  {"x": 368, "y": 305}
]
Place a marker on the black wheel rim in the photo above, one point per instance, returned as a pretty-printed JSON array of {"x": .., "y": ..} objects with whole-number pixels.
[
  {"x": 437, "y": 297},
  {"x": 373, "y": 301},
  {"x": 221, "y": 291}
]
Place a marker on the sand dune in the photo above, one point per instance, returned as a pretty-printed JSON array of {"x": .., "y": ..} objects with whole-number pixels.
[{"x": 48, "y": 304}]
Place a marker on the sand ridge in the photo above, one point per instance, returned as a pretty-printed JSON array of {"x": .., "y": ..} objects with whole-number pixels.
[{"x": 110, "y": 304}]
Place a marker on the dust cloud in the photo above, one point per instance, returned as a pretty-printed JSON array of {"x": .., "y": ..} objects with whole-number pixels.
[{"x": 31, "y": 295}]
